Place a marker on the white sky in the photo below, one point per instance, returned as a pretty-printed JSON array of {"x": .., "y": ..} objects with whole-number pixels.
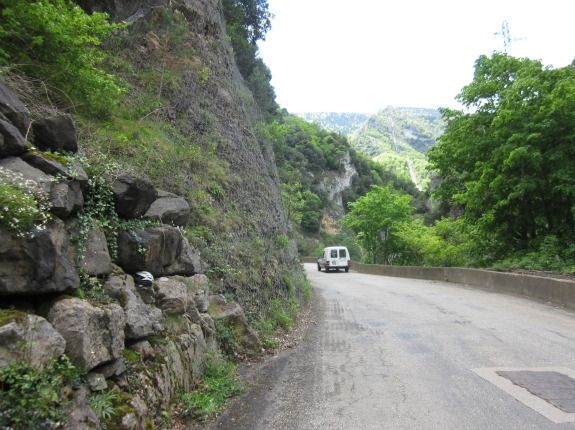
[{"x": 363, "y": 55}]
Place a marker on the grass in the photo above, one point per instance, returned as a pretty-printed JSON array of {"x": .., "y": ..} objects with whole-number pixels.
[{"x": 219, "y": 384}]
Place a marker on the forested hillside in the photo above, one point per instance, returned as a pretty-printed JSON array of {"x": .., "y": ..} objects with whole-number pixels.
[{"x": 398, "y": 138}]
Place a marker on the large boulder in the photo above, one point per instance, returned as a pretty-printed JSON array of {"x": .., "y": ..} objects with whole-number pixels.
[
  {"x": 11, "y": 140},
  {"x": 96, "y": 260},
  {"x": 66, "y": 198},
  {"x": 142, "y": 320},
  {"x": 26, "y": 337},
  {"x": 161, "y": 250},
  {"x": 94, "y": 335},
  {"x": 56, "y": 133},
  {"x": 28, "y": 172},
  {"x": 231, "y": 315},
  {"x": 170, "y": 209},
  {"x": 171, "y": 296},
  {"x": 38, "y": 263},
  {"x": 132, "y": 195},
  {"x": 13, "y": 109},
  {"x": 198, "y": 291}
]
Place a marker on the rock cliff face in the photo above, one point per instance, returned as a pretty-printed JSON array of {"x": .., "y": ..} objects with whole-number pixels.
[{"x": 61, "y": 297}]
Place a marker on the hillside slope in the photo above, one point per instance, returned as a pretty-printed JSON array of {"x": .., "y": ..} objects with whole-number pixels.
[{"x": 399, "y": 138}]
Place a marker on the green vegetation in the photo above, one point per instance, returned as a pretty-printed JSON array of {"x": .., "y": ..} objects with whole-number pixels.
[
  {"x": 103, "y": 404},
  {"x": 398, "y": 138},
  {"x": 305, "y": 155},
  {"x": 508, "y": 162},
  {"x": 57, "y": 43},
  {"x": 219, "y": 384},
  {"x": 248, "y": 21},
  {"x": 23, "y": 203},
  {"x": 376, "y": 218},
  {"x": 31, "y": 398}
]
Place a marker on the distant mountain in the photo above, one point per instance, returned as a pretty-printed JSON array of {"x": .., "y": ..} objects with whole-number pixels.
[
  {"x": 399, "y": 139},
  {"x": 341, "y": 122}
]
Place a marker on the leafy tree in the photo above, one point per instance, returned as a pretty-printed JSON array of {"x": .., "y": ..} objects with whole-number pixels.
[
  {"x": 377, "y": 218},
  {"x": 509, "y": 159},
  {"x": 293, "y": 200},
  {"x": 57, "y": 42},
  {"x": 311, "y": 212}
]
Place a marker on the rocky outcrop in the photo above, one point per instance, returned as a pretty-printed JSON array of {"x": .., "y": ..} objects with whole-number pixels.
[
  {"x": 96, "y": 260},
  {"x": 12, "y": 108},
  {"x": 169, "y": 209},
  {"x": 94, "y": 335},
  {"x": 37, "y": 264},
  {"x": 11, "y": 140},
  {"x": 133, "y": 196},
  {"x": 161, "y": 250},
  {"x": 56, "y": 133},
  {"x": 29, "y": 338},
  {"x": 142, "y": 320},
  {"x": 231, "y": 315}
]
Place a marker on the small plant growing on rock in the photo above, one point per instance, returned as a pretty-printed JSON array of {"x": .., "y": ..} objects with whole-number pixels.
[{"x": 23, "y": 203}]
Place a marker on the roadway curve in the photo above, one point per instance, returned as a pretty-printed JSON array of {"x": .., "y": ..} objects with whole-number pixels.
[{"x": 392, "y": 353}]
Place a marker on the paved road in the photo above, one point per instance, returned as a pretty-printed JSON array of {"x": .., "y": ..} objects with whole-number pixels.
[{"x": 391, "y": 353}]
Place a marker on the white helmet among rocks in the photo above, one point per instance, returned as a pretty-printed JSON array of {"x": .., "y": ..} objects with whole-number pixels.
[{"x": 144, "y": 279}]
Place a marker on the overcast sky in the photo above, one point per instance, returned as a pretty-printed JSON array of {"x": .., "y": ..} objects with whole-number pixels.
[{"x": 363, "y": 55}]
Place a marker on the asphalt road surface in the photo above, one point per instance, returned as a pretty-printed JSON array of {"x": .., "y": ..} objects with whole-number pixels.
[{"x": 392, "y": 353}]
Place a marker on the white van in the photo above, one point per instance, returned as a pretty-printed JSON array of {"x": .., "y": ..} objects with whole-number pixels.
[{"x": 334, "y": 257}]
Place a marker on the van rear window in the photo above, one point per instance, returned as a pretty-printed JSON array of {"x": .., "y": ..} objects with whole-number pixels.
[
  {"x": 342, "y": 253},
  {"x": 333, "y": 253}
]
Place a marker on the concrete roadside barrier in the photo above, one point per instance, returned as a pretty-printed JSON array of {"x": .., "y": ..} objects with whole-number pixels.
[{"x": 553, "y": 290}]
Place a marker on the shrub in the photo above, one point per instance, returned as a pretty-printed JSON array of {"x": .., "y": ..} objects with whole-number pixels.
[
  {"x": 30, "y": 398},
  {"x": 57, "y": 42}
]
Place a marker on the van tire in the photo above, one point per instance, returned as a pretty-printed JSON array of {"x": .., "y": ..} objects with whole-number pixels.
[
  {"x": 346, "y": 269},
  {"x": 318, "y": 267}
]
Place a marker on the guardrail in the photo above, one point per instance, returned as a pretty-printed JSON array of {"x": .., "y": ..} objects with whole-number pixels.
[{"x": 557, "y": 291}]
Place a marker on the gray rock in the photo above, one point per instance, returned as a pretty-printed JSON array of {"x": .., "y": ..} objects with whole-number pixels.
[
  {"x": 12, "y": 142},
  {"x": 209, "y": 330},
  {"x": 133, "y": 196},
  {"x": 94, "y": 335},
  {"x": 45, "y": 164},
  {"x": 198, "y": 291},
  {"x": 142, "y": 320},
  {"x": 113, "y": 369},
  {"x": 79, "y": 415},
  {"x": 37, "y": 264},
  {"x": 57, "y": 133},
  {"x": 144, "y": 350},
  {"x": 161, "y": 250},
  {"x": 171, "y": 296},
  {"x": 96, "y": 381},
  {"x": 30, "y": 338},
  {"x": 170, "y": 209},
  {"x": 73, "y": 169},
  {"x": 232, "y": 316},
  {"x": 12, "y": 108},
  {"x": 19, "y": 166},
  {"x": 66, "y": 198},
  {"x": 96, "y": 260}
]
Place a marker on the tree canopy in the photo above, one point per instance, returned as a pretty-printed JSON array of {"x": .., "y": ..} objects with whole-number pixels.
[
  {"x": 377, "y": 218},
  {"x": 509, "y": 159}
]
